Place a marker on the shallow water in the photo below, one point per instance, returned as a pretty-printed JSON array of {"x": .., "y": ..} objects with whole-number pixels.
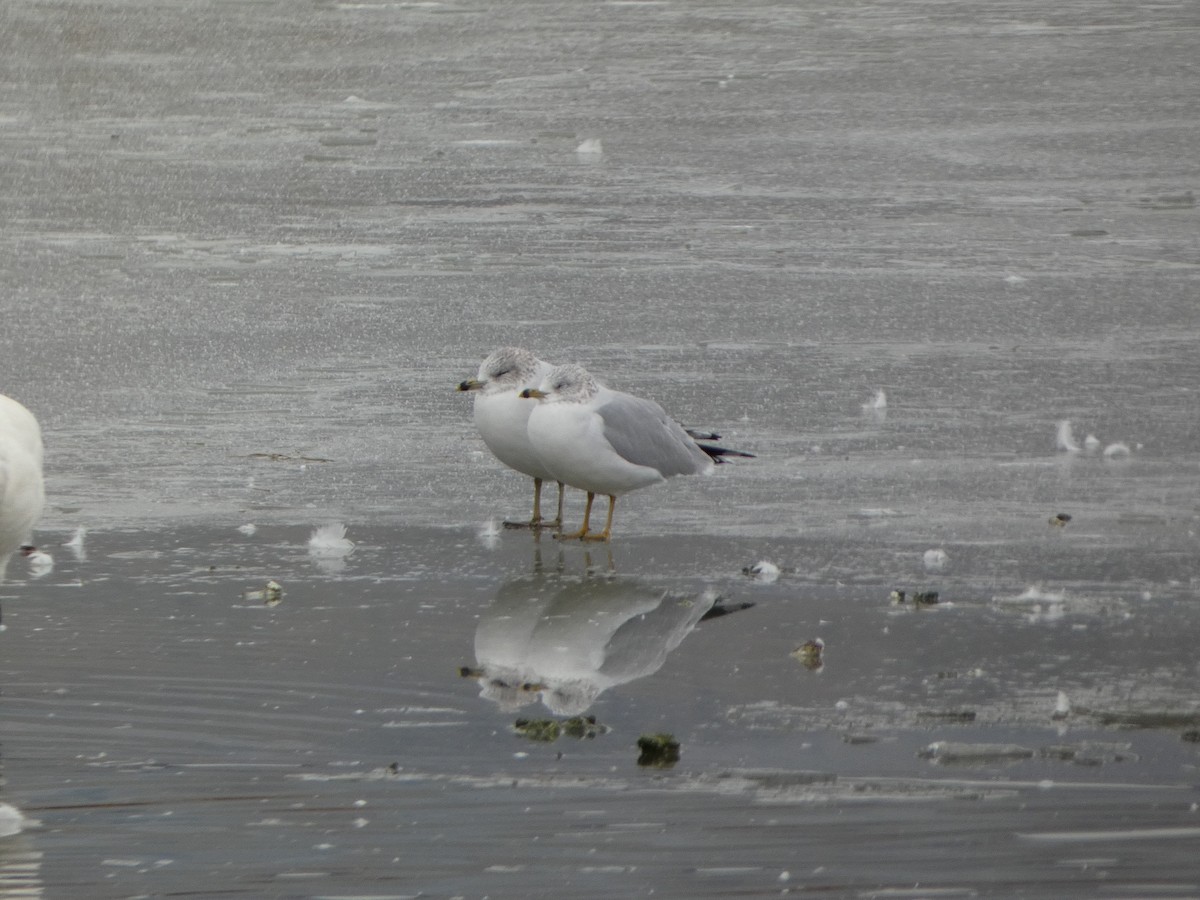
[
  {"x": 248, "y": 251},
  {"x": 170, "y": 731}
]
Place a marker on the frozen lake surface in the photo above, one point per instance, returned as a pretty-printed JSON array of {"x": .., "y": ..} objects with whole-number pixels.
[{"x": 248, "y": 249}]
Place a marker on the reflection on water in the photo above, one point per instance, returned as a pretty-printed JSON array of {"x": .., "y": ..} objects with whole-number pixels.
[
  {"x": 20, "y": 863},
  {"x": 20, "y": 867},
  {"x": 565, "y": 639},
  {"x": 174, "y": 737}
]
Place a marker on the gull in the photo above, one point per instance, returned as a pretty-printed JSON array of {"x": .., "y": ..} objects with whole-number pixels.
[
  {"x": 608, "y": 442},
  {"x": 502, "y": 414},
  {"x": 22, "y": 494},
  {"x": 12, "y": 821}
]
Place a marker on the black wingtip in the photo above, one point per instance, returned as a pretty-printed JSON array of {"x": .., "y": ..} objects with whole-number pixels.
[
  {"x": 717, "y": 453},
  {"x": 719, "y": 609}
]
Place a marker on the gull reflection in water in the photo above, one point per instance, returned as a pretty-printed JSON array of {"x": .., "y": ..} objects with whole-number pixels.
[{"x": 566, "y": 639}]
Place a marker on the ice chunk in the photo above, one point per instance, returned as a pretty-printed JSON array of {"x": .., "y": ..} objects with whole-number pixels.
[
  {"x": 75, "y": 544},
  {"x": 879, "y": 401},
  {"x": 876, "y": 407},
  {"x": 40, "y": 562},
  {"x": 935, "y": 560},
  {"x": 1066, "y": 439},
  {"x": 330, "y": 540},
  {"x": 590, "y": 147},
  {"x": 1062, "y": 706}
]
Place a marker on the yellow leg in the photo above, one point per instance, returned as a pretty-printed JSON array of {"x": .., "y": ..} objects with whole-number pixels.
[
  {"x": 582, "y": 533},
  {"x": 536, "y": 521},
  {"x": 606, "y": 534}
]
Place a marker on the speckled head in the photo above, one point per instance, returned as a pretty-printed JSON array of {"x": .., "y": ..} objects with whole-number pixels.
[
  {"x": 570, "y": 384},
  {"x": 506, "y": 369}
]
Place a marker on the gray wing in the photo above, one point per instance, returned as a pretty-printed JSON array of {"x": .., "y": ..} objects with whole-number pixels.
[{"x": 642, "y": 433}]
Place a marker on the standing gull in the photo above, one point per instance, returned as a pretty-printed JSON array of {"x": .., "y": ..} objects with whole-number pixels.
[
  {"x": 502, "y": 414},
  {"x": 608, "y": 442},
  {"x": 21, "y": 492}
]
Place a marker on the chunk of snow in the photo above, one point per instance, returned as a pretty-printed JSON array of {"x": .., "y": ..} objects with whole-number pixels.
[
  {"x": 1062, "y": 706},
  {"x": 879, "y": 401},
  {"x": 75, "y": 544},
  {"x": 935, "y": 560},
  {"x": 1066, "y": 439},
  {"x": 330, "y": 540}
]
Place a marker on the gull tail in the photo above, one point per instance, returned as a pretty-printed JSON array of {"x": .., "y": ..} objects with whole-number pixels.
[
  {"x": 719, "y": 609},
  {"x": 718, "y": 454}
]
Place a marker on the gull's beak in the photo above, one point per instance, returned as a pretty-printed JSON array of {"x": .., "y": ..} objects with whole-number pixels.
[
  {"x": 471, "y": 384},
  {"x": 533, "y": 394}
]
